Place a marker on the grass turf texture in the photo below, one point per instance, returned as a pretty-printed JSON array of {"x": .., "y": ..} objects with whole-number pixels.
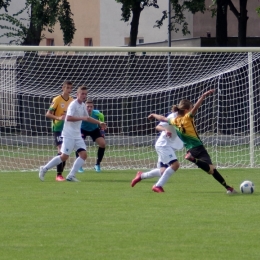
[{"x": 102, "y": 217}]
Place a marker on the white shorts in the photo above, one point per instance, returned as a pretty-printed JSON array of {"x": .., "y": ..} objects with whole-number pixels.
[
  {"x": 165, "y": 154},
  {"x": 69, "y": 144}
]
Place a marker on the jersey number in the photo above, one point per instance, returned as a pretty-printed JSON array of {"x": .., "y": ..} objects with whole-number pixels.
[{"x": 59, "y": 138}]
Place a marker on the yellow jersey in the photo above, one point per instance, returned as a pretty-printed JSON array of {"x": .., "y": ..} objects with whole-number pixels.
[
  {"x": 186, "y": 130},
  {"x": 59, "y": 107}
]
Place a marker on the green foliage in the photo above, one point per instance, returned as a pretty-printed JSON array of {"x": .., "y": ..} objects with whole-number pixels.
[
  {"x": 258, "y": 10},
  {"x": 178, "y": 17},
  {"x": 213, "y": 8},
  {"x": 42, "y": 15},
  {"x": 126, "y": 9},
  {"x": 18, "y": 28},
  {"x": 4, "y": 4},
  {"x": 129, "y": 5}
]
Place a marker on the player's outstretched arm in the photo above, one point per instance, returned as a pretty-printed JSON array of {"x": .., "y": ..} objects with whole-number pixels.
[
  {"x": 94, "y": 121},
  {"x": 160, "y": 128},
  {"x": 200, "y": 100},
  {"x": 158, "y": 117}
]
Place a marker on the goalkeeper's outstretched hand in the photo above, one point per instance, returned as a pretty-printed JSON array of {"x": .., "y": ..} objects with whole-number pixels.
[
  {"x": 103, "y": 125},
  {"x": 102, "y": 132}
]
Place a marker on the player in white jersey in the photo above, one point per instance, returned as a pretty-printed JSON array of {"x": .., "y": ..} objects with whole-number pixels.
[
  {"x": 71, "y": 134},
  {"x": 166, "y": 145}
]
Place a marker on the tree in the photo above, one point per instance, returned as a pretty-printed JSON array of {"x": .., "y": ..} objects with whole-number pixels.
[
  {"x": 42, "y": 16},
  {"x": 220, "y": 10},
  {"x": 4, "y": 4},
  {"x": 135, "y": 7},
  {"x": 178, "y": 19},
  {"x": 242, "y": 20}
]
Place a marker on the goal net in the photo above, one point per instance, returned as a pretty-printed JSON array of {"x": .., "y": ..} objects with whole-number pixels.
[{"x": 127, "y": 84}]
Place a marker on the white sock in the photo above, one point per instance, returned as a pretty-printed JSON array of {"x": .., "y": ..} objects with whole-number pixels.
[
  {"x": 164, "y": 178},
  {"x": 53, "y": 162},
  {"x": 76, "y": 166},
  {"x": 151, "y": 174}
]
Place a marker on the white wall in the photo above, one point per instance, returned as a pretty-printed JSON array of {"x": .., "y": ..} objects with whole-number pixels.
[
  {"x": 113, "y": 31},
  {"x": 15, "y": 6}
]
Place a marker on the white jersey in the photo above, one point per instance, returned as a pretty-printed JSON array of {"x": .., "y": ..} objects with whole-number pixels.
[
  {"x": 72, "y": 129},
  {"x": 174, "y": 141}
]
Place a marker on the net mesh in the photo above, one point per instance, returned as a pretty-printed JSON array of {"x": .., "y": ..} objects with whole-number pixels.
[{"x": 126, "y": 88}]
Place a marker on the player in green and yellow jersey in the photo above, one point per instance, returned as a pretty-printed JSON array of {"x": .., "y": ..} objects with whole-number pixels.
[
  {"x": 186, "y": 130},
  {"x": 57, "y": 112}
]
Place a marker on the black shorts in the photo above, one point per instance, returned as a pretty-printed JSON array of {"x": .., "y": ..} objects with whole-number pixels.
[
  {"x": 57, "y": 138},
  {"x": 200, "y": 153},
  {"x": 95, "y": 134}
]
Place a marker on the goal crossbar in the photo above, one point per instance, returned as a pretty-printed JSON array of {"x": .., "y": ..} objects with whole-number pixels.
[{"x": 128, "y": 49}]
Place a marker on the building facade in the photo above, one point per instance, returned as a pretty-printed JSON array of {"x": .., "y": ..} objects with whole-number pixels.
[
  {"x": 204, "y": 23},
  {"x": 98, "y": 23}
]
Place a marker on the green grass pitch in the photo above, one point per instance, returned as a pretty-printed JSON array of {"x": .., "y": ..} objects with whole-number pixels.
[{"x": 102, "y": 217}]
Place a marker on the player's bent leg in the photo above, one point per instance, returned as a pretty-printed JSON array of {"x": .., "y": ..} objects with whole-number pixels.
[
  {"x": 77, "y": 164},
  {"x": 52, "y": 163},
  {"x": 136, "y": 179},
  {"x": 100, "y": 153},
  {"x": 203, "y": 165},
  {"x": 42, "y": 172},
  {"x": 60, "y": 167},
  {"x": 218, "y": 177},
  {"x": 81, "y": 170},
  {"x": 101, "y": 142},
  {"x": 145, "y": 175},
  {"x": 174, "y": 165},
  {"x": 168, "y": 160}
]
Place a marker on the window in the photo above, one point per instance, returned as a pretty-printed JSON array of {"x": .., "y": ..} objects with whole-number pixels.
[
  {"x": 127, "y": 40},
  {"x": 49, "y": 42},
  {"x": 140, "y": 40},
  {"x": 88, "y": 42}
]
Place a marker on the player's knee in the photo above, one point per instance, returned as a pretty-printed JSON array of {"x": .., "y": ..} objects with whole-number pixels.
[
  {"x": 211, "y": 169},
  {"x": 162, "y": 170},
  {"x": 59, "y": 149},
  {"x": 175, "y": 165},
  {"x": 82, "y": 154},
  {"x": 101, "y": 142},
  {"x": 64, "y": 157}
]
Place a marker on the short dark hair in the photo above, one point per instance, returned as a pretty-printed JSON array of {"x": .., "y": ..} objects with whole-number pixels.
[
  {"x": 82, "y": 88},
  {"x": 89, "y": 101},
  {"x": 67, "y": 82}
]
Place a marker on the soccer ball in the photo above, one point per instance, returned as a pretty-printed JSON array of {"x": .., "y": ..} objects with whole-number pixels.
[{"x": 247, "y": 187}]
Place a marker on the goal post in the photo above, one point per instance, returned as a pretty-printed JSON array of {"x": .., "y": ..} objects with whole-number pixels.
[{"x": 127, "y": 84}]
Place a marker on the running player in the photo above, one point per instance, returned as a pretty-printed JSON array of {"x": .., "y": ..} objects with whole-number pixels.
[{"x": 57, "y": 112}]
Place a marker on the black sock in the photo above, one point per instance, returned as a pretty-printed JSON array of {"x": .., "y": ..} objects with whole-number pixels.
[
  {"x": 220, "y": 179},
  {"x": 59, "y": 167},
  {"x": 63, "y": 164},
  {"x": 100, "y": 154},
  {"x": 203, "y": 165}
]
